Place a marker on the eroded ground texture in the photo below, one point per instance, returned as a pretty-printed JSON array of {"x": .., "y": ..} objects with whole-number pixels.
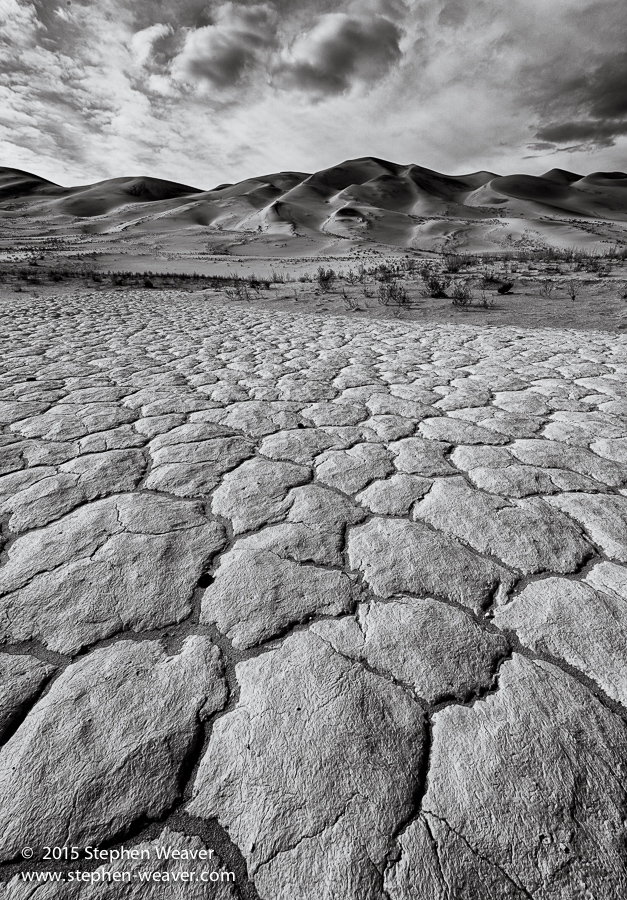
[{"x": 346, "y": 602}]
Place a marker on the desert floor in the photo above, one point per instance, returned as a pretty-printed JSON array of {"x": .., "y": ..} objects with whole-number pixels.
[
  {"x": 335, "y": 595},
  {"x": 543, "y": 294}
]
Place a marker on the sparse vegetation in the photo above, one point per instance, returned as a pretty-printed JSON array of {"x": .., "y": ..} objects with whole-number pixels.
[
  {"x": 547, "y": 287},
  {"x": 396, "y": 282},
  {"x": 490, "y": 278},
  {"x": 133, "y": 280},
  {"x": 455, "y": 262},
  {"x": 350, "y": 301},
  {"x": 385, "y": 273},
  {"x": 391, "y": 293},
  {"x": 239, "y": 291},
  {"x": 258, "y": 284},
  {"x": 462, "y": 294},
  {"x": 325, "y": 278},
  {"x": 435, "y": 285}
]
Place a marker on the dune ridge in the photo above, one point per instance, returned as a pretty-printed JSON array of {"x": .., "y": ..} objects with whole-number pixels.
[{"x": 365, "y": 199}]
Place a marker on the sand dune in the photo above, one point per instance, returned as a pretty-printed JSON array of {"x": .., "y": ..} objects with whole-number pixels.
[
  {"x": 365, "y": 199},
  {"x": 16, "y": 183},
  {"x": 89, "y": 200}
]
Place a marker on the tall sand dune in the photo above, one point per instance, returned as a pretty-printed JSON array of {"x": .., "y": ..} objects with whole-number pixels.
[{"x": 365, "y": 199}]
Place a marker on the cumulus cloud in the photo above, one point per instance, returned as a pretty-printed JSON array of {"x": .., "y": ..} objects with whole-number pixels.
[
  {"x": 224, "y": 52},
  {"x": 339, "y": 51},
  {"x": 143, "y": 42}
]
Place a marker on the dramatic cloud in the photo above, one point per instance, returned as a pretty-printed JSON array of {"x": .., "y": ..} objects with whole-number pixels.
[
  {"x": 205, "y": 91},
  {"x": 144, "y": 41},
  {"x": 594, "y": 106},
  {"x": 602, "y": 133},
  {"x": 339, "y": 51},
  {"x": 607, "y": 88},
  {"x": 453, "y": 13},
  {"x": 224, "y": 52}
]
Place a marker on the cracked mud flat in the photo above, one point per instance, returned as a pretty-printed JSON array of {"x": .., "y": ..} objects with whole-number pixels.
[{"x": 345, "y": 602}]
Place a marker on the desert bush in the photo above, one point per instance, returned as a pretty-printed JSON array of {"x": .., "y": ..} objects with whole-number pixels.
[
  {"x": 486, "y": 300},
  {"x": 386, "y": 273},
  {"x": 455, "y": 262},
  {"x": 506, "y": 287},
  {"x": 462, "y": 294},
  {"x": 547, "y": 287},
  {"x": 239, "y": 291},
  {"x": 349, "y": 301},
  {"x": 573, "y": 289},
  {"x": 490, "y": 277},
  {"x": 325, "y": 278},
  {"x": 391, "y": 293},
  {"x": 410, "y": 265},
  {"x": 435, "y": 285},
  {"x": 452, "y": 263}
]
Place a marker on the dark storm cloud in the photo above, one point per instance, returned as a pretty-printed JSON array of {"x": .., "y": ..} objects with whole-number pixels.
[
  {"x": 454, "y": 13},
  {"x": 339, "y": 51},
  {"x": 306, "y": 48},
  {"x": 607, "y": 88},
  {"x": 593, "y": 106},
  {"x": 602, "y": 134},
  {"x": 391, "y": 9},
  {"x": 175, "y": 13},
  {"x": 224, "y": 51},
  {"x": 194, "y": 14}
]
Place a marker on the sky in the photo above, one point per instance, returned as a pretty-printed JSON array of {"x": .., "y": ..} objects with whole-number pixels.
[{"x": 204, "y": 93}]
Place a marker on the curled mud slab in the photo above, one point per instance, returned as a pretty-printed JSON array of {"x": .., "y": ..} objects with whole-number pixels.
[{"x": 341, "y": 602}]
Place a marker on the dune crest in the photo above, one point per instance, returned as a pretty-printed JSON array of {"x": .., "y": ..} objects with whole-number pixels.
[{"x": 365, "y": 199}]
